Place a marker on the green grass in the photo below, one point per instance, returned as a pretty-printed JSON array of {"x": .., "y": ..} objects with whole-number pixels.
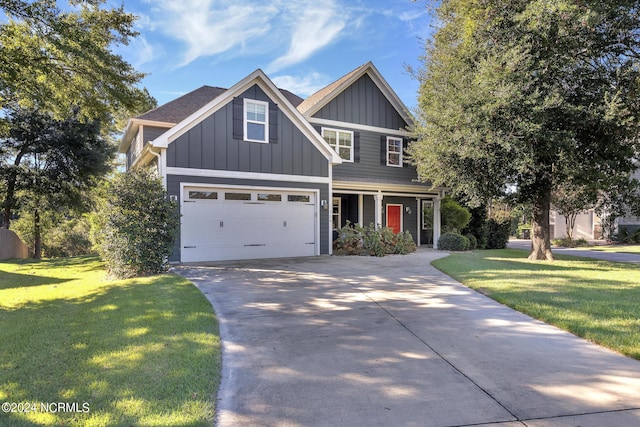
[
  {"x": 597, "y": 300},
  {"x": 624, "y": 249},
  {"x": 140, "y": 352}
]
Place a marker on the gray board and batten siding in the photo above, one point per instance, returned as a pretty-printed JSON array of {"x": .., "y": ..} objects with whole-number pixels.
[
  {"x": 173, "y": 189},
  {"x": 211, "y": 144},
  {"x": 363, "y": 103}
]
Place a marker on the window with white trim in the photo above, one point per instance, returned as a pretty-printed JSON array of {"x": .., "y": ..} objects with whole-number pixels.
[
  {"x": 341, "y": 141},
  {"x": 336, "y": 212},
  {"x": 394, "y": 152},
  {"x": 256, "y": 121}
]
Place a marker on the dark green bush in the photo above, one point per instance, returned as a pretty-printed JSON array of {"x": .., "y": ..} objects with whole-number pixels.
[
  {"x": 497, "y": 234},
  {"x": 473, "y": 242},
  {"x": 135, "y": 225},
  {"x": 452, "y": 242},
  {"x": 477, "y": 226}
]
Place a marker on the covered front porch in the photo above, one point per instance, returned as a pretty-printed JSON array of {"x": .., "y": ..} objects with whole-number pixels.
[{"x": 417, "y": 213}]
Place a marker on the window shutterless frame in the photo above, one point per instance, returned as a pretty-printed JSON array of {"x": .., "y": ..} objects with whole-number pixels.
[
  {"x": 256, "y": 121},
  {"x": 341, "y": 141},
  {"x": 394, "y": 152}
]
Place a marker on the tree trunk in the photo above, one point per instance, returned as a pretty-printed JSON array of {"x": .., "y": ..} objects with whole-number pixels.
[
  {"x": 570, "y": 224},
  {"x": 540, "y": 236},
  {"x": 37, "y": 238}
]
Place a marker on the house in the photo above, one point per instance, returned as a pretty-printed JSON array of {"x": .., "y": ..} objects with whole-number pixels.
[
  {"x": 587, "y": 225},
  {"x": 260, "y": 173}
]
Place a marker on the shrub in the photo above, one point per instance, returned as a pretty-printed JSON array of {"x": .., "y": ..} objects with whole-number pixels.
[
  {"x": 497, "y": 234},
  {"x": 356, "y": 240},
  {"x": 61, "y": 236},
  {"x": 350, "y": 240},
  {"x": 473, "y": 242},
  {"x": 566, "y": 242},
  {"x": 405, "y": 243},
  {"x": 454, "y": 216},
  {"x": 452, "y": 242},
  {"x": 477, "y": 226},
  {"x": 135, "y": 225}
]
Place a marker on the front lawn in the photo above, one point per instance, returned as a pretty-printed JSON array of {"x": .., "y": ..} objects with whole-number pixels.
[
  {"x": 597, "y": 300},
  {"x": 623, "y": 249},
  {"x": 137, "y": 352}
]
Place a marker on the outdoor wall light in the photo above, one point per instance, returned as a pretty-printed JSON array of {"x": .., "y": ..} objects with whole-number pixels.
[
  {"x": 324, "y": 204},
  {"x": 407, "y": 209}
]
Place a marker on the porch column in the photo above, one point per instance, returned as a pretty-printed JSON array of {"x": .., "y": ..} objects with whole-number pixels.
[
  {"x": 361, "y": 210},
  {"x": 418, "y": 220},
  {"x": 378, "y": 201},
  {"x": 436, "y": 222}
]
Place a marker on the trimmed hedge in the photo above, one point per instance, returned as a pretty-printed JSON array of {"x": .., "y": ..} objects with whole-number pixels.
[{"x": 453, "y": 242}]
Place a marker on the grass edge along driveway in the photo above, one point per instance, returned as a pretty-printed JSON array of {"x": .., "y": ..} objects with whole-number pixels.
[
  {"x": 143, "y": 352},
  {"x": 596, "y": 300}
]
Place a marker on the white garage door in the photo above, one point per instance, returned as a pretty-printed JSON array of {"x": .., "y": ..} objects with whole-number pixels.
[{"x": 235, "y": 223}]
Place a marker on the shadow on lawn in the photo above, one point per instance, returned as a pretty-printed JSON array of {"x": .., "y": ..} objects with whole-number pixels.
[
  {"x": 30, "y": 271},
  {"x": 142, "y": 348}
]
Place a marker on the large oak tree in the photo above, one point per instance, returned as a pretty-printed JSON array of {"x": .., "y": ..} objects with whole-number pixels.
[{"x": 523, "y": 96}]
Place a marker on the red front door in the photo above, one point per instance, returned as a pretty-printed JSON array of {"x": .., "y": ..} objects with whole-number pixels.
[{"x": 394, "y": 218}]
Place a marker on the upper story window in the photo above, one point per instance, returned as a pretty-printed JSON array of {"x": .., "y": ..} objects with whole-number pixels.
[
  {"x": 341, "y": 141},
  {"x": 256, "y": 121},
  {"x": 394, "y": 151}
]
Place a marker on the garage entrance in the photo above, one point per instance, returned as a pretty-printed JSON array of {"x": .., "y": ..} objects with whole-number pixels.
[{"x": 220, "y": 223}]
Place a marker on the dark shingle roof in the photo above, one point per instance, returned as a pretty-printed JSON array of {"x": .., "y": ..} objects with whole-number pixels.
[
  {"x": 180, "y": 108},
  {"x": 292, "y": 97}
]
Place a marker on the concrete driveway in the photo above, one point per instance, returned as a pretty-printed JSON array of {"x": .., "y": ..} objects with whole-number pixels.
[{"x": 358, "y": 341}]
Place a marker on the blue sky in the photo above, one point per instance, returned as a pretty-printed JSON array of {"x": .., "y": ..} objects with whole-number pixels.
[{"x": 302, "y": 45}]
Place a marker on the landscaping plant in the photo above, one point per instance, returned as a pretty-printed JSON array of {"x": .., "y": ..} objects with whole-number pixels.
[{"x": 135, "y": 225}]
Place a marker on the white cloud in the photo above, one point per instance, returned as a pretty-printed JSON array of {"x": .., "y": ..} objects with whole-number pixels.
[
  {"x": 209, "y": 27},
  {"x": 143, "y": 50},
  {"x": 318, "y": 26},
  {"x": 302, "y": 85}
]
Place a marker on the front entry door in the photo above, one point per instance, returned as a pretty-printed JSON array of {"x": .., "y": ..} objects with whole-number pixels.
[{"x": 394, "y": 217}]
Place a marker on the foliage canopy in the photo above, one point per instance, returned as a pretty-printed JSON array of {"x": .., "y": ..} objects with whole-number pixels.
[{"x": 519, "y": 97}]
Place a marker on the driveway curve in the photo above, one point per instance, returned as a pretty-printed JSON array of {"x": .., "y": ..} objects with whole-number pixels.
[{"x": 359, "y": 341}]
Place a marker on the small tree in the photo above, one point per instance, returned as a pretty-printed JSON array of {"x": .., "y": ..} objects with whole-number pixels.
[
  {"x": 571, "y": 200},
  {"x": 135, "y": 225},
  {"x": 454, "y": 216}
]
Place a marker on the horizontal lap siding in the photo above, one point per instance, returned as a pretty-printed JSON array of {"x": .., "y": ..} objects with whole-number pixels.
[
  {"x": 210, "y": 145},
  {"x": 370, "y": 163},
  {"x": 173, "y": 188}
]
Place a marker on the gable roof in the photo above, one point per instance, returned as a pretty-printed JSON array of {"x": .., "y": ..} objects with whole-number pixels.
[
  {"x": 259, "y": 78},
  {"x": 315, "y": 102},
  {"x": 180, "y": 108},
  {"x": 323, "y": 93}
]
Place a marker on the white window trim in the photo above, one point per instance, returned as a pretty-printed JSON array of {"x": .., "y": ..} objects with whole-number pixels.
[
  {"x": 339, "y": 200},
  {"x": 245, "y": 121},
  {"x": 337, "y": 146},
  {"x": 400, "y": 162}
]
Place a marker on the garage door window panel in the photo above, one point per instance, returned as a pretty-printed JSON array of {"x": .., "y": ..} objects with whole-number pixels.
[
  {"x": 203, "y": 195},
  {"x": 237, "y": 196}
]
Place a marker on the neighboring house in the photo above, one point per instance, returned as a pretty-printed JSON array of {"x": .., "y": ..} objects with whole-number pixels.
[
  {"x": 630, "y": 223},
  {"x": 587, "y": 226},
  {"x": 259, "y": 172}
]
